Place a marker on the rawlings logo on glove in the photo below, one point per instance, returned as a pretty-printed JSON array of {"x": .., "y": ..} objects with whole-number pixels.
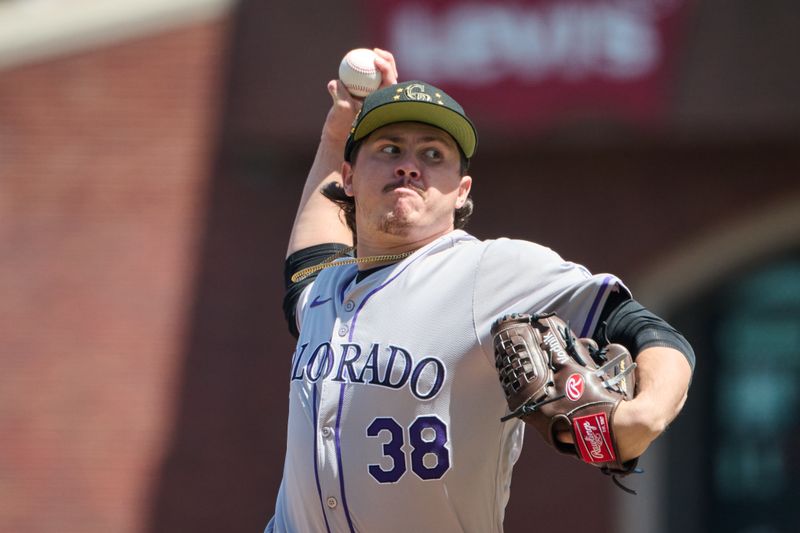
[
  {"x": 594, "y": 438},
  {"x": 559, "y": 383},
  {"x": 574, "y": 387}
]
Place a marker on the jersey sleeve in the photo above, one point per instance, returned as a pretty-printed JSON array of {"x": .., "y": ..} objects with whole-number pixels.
[
  {"x": 299, "y": 260},
  {"x": 302, "y": 305},
  {"x": 522, "y": 277}
]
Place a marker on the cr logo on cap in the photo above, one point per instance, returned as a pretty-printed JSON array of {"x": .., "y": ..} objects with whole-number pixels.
[{"x": 416, "y": 91}]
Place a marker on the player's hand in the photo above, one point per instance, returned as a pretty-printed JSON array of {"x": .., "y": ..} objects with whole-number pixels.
[
  {"x": 343, "y": 112},
  {"x": 634, "y": 428},
  {"x": 388, "y": 67},
  {"x": 345, "y": 106},
  {"x": 631, "y": 431}
]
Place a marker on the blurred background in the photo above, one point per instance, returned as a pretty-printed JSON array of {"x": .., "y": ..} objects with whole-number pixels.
[{"x": 151, "y": 157}]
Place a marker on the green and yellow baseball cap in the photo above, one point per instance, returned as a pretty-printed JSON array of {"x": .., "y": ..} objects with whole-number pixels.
[{"x": 413, "y": 101}]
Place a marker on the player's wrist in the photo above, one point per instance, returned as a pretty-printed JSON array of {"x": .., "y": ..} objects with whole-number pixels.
[
  {"x": 334, "y": 139},
  {"x": 635, "y": 427},
  {"x": 337, "y": 126}
]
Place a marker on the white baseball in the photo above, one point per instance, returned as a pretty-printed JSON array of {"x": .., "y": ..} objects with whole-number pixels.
[{"x": 358, "y": 73}]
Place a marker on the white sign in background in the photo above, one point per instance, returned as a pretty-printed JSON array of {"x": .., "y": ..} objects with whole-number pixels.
[{"x": 479, "y": 44}]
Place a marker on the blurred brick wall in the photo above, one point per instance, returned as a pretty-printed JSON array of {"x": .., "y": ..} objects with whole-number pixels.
[
  {"x": 105, "y": 159},
  {"x": 142, "y": 348}
]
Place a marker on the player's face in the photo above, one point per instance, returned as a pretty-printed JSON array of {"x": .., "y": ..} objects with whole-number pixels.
[{"x": 406, "y": 182}]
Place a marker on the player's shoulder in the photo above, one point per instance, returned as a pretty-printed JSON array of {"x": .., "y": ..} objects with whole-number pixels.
[
  {"x": 501, "y": 250},
  {"x": 460, "y": 238},
  {"x": 512, "y": 255},
  {"x": 456, "y": 242},
  {"x": 505, "y": 248}
]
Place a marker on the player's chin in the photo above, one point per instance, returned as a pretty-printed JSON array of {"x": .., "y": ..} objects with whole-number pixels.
[
  {"x": 398, "y": 222},
  {"x": 406, "y": 210}
]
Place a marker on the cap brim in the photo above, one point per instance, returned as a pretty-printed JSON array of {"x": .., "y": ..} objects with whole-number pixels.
[{"x": 458, "y": 126}]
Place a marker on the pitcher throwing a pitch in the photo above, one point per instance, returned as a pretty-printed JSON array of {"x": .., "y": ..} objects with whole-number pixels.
[{"x": 423, "y": 352}]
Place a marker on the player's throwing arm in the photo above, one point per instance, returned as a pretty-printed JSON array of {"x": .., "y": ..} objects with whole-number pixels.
[{"x": 318, "y": 220}]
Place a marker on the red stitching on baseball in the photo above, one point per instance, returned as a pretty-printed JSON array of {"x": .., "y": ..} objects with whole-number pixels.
[
  {"x": 354, "y": 86},
  {"x": 360, "y": 69}
]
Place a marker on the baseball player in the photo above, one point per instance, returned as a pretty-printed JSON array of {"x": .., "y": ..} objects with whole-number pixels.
[{"x": 395, "y": 406}]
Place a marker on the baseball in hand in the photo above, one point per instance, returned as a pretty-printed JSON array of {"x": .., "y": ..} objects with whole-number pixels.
[{"x": 358, "y": 73}]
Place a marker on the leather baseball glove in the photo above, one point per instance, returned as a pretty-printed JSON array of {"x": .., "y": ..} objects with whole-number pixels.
[{"x": 559, "y": 383}]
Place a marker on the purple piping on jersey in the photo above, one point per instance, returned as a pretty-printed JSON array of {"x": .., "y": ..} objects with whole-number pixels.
[
  {"x": 316, "y": 470},
  {"x": 595, "y": 304},
  {"x": 375, "y": 290},
  {"x": 341, "y": 391},
  {"x": 339, "y": 460},
  {"x": 344, "y": 288}
]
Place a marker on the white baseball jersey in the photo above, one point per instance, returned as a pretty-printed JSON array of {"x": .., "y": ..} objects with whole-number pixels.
[{"x": 394, "y": 402}]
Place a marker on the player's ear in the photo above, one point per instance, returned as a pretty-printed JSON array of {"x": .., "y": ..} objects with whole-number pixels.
[
  {"x": 464, "y": 186},
  {"x": 347, "y": 178}
]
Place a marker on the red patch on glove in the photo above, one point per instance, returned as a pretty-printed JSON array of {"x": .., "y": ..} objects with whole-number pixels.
[{"x": 593, "y": 438}]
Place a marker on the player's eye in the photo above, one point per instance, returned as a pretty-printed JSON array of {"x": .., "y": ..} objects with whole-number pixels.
[
  {"x": 433, "y": 154},
  {"x": 390, "y": 149}
]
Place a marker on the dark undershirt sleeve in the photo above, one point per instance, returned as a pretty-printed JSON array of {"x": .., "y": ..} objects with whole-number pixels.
[
  {"x": 625, "y": 321},
  {"x": 313, "y": 255}
]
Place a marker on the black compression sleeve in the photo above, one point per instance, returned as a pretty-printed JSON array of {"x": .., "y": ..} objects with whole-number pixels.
[
  {"x": 313, "y": 255},
  {"x": 629, "y": 323}
]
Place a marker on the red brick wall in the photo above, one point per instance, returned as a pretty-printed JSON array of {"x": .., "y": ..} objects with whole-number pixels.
[
  {"x": 104, "y": 166},
  {"x": 146, "y": 194}
]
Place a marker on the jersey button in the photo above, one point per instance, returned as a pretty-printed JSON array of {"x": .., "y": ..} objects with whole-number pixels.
[
  {"x": 349, "y": 305},
  {"x": 326, "y": 432},
  {"x": 332, "y": 503},
  {"x": 343, "y": 330}
]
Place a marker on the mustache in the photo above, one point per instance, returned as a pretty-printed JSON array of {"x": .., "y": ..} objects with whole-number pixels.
[{"x": 392, "y": 186}]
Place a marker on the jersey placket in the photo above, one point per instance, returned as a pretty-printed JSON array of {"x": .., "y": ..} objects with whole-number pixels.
[{"x": 332, "y": 473}]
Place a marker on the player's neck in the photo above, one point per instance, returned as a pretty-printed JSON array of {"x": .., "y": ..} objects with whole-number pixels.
[{"x": 392, "y": 245}]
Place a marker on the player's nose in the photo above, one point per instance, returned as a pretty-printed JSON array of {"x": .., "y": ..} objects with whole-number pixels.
[{"x": 407, "y": 171}]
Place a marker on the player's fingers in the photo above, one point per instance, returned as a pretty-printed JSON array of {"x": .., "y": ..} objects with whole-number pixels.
[
  {"x": 388, "y": 67},
  {"x": 388, "y": 74},
  {"x": 564, "y": 436},
  {"x": 337, "y": 90},
  {"x": 341, "y": 96},
  {"x": 332, "y": 90}
]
